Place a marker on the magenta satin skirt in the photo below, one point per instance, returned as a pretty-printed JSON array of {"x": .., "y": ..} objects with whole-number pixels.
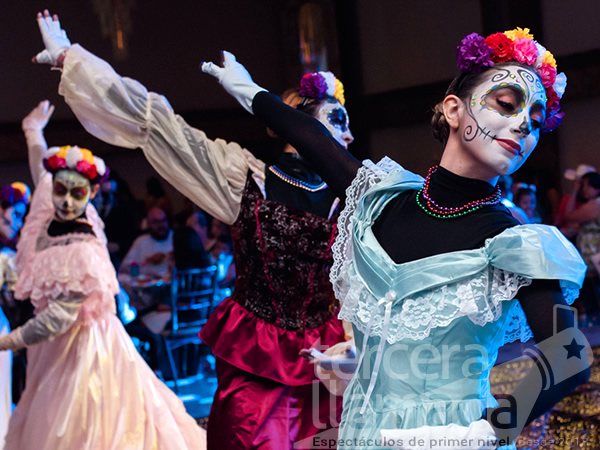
[{"x": 252, "y": 412}]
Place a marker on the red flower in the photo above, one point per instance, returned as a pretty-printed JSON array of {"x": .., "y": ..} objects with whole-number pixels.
[
  {"x": 56, "y": 162},
  {"x": 87, "y": 169},
  {"x": 503, "y": 47},
  {"x": 547, "y": 74},
  {"x": 552, "y": 105}
]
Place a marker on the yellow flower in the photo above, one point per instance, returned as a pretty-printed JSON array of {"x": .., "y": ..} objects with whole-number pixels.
[
  {"x": 87, "y": 155},
  {"x": 62, "y": 152},
  {"x": 339, "y": 92},
  {"x": 549, "y": 59},
  {"x": 519, "y": 33}
]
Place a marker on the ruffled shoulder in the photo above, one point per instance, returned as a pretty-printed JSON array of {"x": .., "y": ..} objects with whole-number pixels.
[
  {"x": 535, "y": 252},
  {"x": 68, "y": 264},
  {"x": 369, "y": 177}
]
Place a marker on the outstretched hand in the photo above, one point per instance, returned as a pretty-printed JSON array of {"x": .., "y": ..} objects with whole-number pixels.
[
  {"x": 38, "y": 118},
  {"x": 235, "y": 79},
  {"x": 54, "y": 37}
]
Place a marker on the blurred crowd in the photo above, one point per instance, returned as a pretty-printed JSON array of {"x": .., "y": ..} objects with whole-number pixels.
[{"x": 576, "y": 214}]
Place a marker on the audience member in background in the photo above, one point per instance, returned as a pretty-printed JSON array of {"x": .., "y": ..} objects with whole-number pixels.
[
  {"x": 505, "y": 184},
  {"x": 117, "y": 208},
  {"x": 526, "y": 199},
  {"x": 188, "y": 243},
  {"x": 588, "y": 239},
  {"x": 570, "y": 229},
  {"x": 14, "y": 200},
  {"x": 157, "y": 197},
  {"x": 216, "y": 231},
  {"x": 151, "y": 252}
]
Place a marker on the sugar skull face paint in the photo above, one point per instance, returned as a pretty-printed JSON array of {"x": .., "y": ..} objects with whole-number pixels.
[
  {"x": 506, "y": 112},
  {"x": 11, "y": 220},
  {"x": 335, "y": 118},
  {"x": 70, "y": 194}
]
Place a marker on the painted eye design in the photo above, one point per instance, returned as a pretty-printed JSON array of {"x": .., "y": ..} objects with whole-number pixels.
[
  {"x": 79, "y": 193},
  {"x": 60, "y": 189},
  {"x": 338, "y": 118}
]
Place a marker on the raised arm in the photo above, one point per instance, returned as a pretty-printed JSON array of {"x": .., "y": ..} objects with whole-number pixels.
[
  {"x": 33, "y": 126},
  {"x": 306, "y": 134},
  {"x": 121, "y": 112}
]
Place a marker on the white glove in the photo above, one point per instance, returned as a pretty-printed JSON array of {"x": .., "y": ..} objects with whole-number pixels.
[
  {"x": 235, "y": 79},
  {"x": 38, "y": 118},
  {"x": 478, "y": 435},
  {"x": 12, "y": 341},
  {"x": 55, "y": 39}
]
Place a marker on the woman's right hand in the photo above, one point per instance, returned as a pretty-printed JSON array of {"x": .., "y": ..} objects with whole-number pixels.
[
  {"x": 235, "y": 79},
  {"x": 38, "y": 118}
]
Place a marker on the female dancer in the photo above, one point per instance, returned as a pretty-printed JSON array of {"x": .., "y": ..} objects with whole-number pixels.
[
  {"x": 283, "y": 223},
  {"x": 87, "y": 386},
  {"x": 428, "y": 269},
  {"x": 14, "y": 200}
]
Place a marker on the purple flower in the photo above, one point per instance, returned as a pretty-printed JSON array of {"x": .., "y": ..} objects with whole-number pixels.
[
  {"x": 553, "y": 122},
  {"x": 473, "y": 54},
  {"x": 313, "y": 85}
]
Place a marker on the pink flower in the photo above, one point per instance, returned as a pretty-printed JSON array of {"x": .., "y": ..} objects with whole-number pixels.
[
  {"x": 547, "y": 74},
  {"x": 525, "y": 51}
]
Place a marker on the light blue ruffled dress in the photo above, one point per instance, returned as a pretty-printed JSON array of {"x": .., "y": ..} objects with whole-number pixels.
[{"x": 428, "y": 331}]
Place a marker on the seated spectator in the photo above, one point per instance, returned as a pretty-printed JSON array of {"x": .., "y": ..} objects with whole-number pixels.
[
  {"x": 526, "y": 199},
  {"x": 505, "y": 183},
  {"x": 119, "y": 211},
  {"x": 588, "y": 241},
  {"x": 151, "y": 252},
  {"x": 570, "y": 229},
  {"x": 188, "y": 243},
  {"x": 156, "y": 196}
]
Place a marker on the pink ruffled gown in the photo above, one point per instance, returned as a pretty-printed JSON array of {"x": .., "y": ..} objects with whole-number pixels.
[{"x": 87, "y": 388}]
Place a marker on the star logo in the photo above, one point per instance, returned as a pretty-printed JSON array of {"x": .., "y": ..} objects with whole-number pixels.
[{"x": 574, "y": 349}]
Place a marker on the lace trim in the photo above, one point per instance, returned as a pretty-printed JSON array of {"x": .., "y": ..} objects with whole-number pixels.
[
  {"x": 517, "y": 327},
  {"x": 478, "y": 297},
  {"x": 368, "y": 175}
]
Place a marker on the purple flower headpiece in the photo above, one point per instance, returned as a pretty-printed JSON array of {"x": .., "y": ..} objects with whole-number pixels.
[{"x": 318, "y": 85}]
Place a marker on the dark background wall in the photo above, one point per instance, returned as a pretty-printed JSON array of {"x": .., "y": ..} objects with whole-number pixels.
[{"x": 396, "y": 58}]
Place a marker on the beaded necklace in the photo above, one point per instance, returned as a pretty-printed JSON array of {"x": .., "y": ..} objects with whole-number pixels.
[
  {"x": 443, "y": 212},
  {"x": 296, "y": 182}
]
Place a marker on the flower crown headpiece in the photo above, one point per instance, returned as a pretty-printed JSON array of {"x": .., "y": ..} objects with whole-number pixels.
[
  {"x": 14, "y": 193},
  {"x": 318, "y": 85},
  {"x": 476, "y": 53},
  {"x": 78, "y": 159}
]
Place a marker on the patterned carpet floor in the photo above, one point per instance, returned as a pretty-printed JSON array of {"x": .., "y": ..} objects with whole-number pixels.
[{"x": 574, "y": 423}]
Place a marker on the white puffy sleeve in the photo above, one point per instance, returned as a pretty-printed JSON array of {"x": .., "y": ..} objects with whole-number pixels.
[{"x": 121, "y": 112}]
